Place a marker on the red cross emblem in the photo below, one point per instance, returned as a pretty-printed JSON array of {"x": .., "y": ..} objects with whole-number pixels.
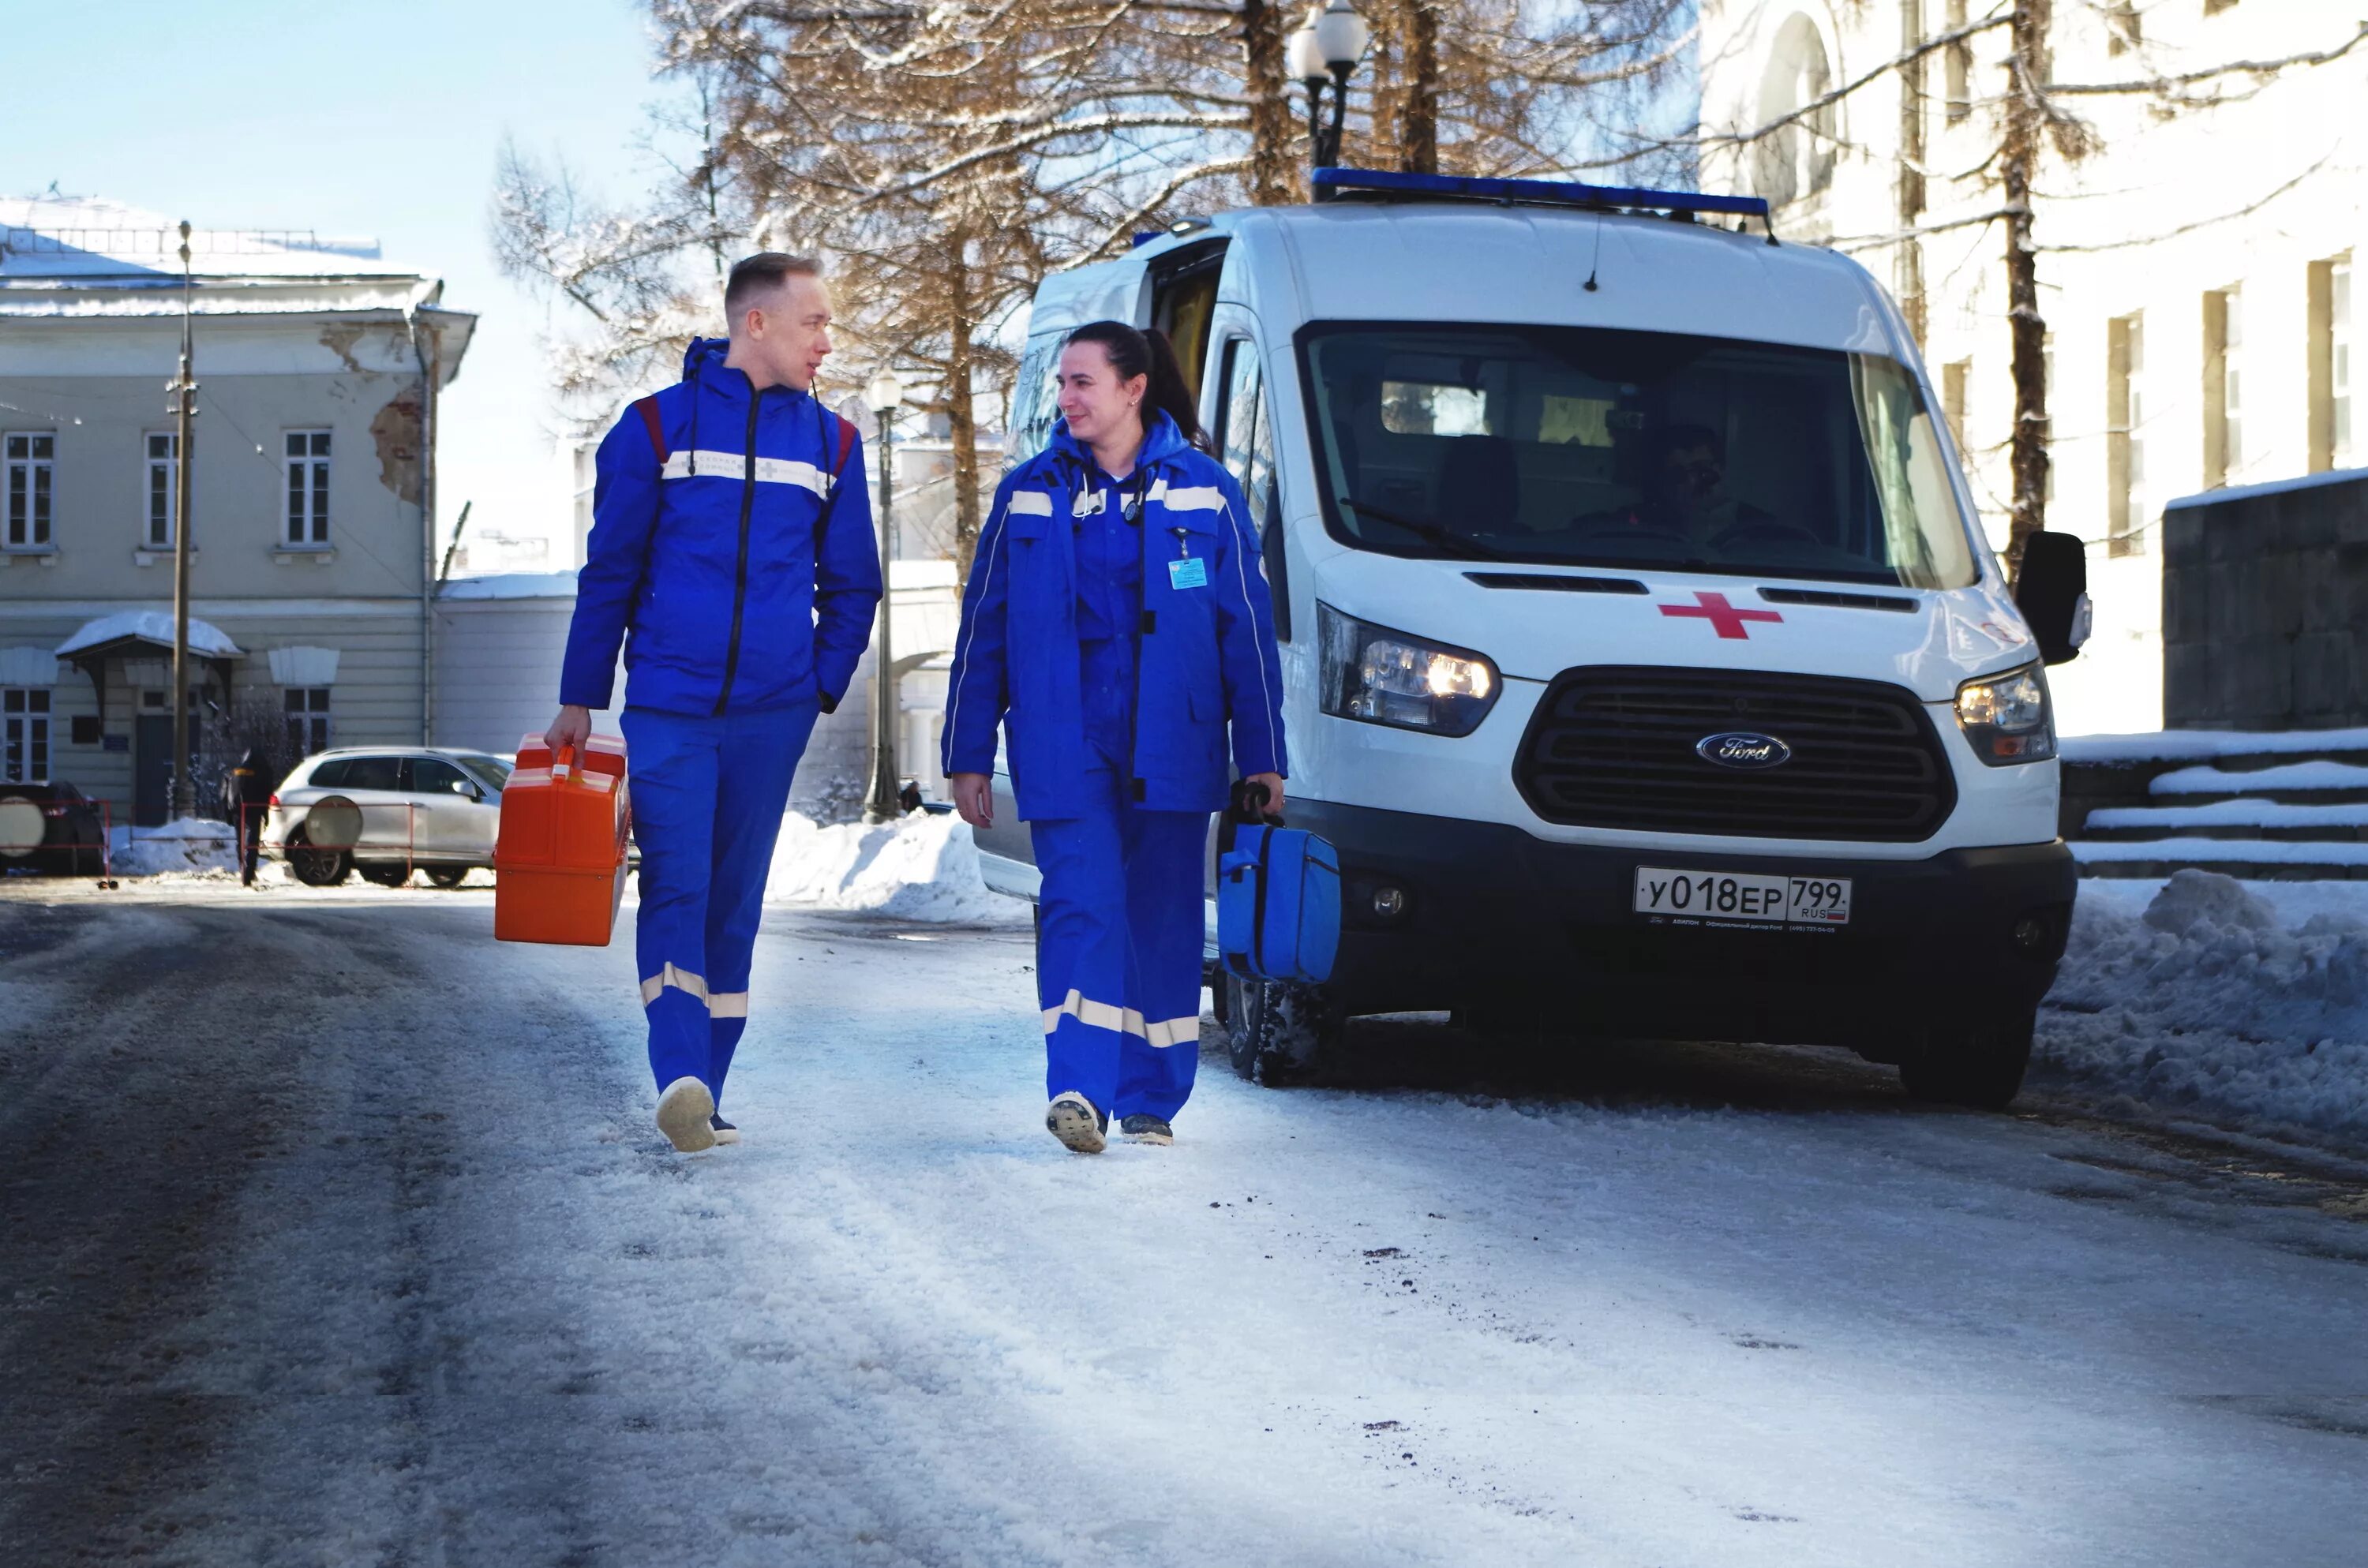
[{"x": 1715, "y": 608}]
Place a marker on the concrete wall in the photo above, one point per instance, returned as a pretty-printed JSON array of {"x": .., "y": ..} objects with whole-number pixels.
[{"x": 2265, "y": 609}]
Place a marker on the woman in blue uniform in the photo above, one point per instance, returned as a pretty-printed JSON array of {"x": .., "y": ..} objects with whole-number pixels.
[{"x": 1118, "y": 626}]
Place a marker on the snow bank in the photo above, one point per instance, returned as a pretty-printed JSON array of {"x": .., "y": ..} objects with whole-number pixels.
[
  {"x": 924, "y": 867},
  {"x": 186, "y": 844},
  {"x": 2211, "y": 997}
]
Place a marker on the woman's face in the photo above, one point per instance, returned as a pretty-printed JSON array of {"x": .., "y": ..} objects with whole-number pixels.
[{"x": 1094, "y": 400}]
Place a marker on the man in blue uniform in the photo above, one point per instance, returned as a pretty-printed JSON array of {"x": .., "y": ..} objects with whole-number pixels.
[{"x": 732, "y": 532}]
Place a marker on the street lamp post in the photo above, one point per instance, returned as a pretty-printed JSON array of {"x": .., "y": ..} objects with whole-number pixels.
[
  {"x": 1327, "y": 47},
  {"x": 883, "y": 395}
]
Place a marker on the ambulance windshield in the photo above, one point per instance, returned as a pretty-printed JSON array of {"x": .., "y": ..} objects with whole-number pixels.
[{"x": 1651, "y": 451}]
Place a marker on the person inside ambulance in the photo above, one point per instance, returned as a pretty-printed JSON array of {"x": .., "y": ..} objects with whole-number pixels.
[{"x": 1117, "y": 627}]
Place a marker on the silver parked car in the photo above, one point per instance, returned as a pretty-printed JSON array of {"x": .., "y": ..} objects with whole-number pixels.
[{"x": 384, "y": 811}]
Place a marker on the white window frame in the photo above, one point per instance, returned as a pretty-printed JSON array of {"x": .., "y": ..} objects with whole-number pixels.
[
  {"x": 28, "y": 492},
  {"x": 310, "y": 716},
  {"x": 2232, "y": 417},
  {"x": 25, "y": 747},
  {"x": 2339, "y": 340},
  {"x": 305, "y": 513},
  {"x": 170, "y": 469}
]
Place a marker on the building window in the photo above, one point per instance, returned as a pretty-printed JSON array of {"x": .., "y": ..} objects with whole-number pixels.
[
  {"x": 2329, "y": 368},
  {"x": 2125, "y": 436},
  {"x": 308, "y": 487},
  {"x": 1798, "y": 159},
  {"x": 30, "y": 459},
  {"x": 308, "y": 719},
  {"x": 25, "y": 734},
  {"x": 163, "y": 487},
  {"x": 1957, "y": 69},
  {"x": 2223, "y": 403}
]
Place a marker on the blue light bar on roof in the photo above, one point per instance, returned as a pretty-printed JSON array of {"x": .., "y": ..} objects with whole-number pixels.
[{"x": 1558, "y": 193}]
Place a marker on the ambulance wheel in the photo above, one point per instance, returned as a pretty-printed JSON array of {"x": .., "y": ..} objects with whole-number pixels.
[
  {"x": 317, "y": 868},
  {"x": 447, "y": 876},
  {"x": 393, "y": 875},
  {"x": 1280, "y": 1032},
  {"x": 1979, "y": 1065}
]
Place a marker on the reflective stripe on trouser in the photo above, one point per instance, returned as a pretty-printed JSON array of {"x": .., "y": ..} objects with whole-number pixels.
[
  {"x": 1118, "y": 964},
  {"x": 707, "y": 798}
]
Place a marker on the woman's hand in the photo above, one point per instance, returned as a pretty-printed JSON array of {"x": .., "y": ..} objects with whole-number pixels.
[
  {"x": 1272, "y": 784},
  {"x": 973, "y": 798}
]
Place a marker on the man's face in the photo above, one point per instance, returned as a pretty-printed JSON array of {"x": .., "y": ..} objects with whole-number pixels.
[
  {"x": 786, "y": 332},
  {"x": 1691, "y": 476}
]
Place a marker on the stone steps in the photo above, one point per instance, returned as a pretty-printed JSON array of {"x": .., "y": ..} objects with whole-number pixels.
[{"x": 2281, "y": 810}]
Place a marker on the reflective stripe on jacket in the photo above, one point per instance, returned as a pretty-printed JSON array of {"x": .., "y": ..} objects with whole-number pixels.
[
  {"x": 1208, "y": 654},
  {"x": 713, "y": 559}
]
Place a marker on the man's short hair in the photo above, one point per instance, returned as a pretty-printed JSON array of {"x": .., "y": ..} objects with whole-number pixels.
[{"x": 762, "y": 274}]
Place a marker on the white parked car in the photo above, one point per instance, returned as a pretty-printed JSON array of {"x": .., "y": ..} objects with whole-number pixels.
[
  {"x": 1644, "y": 657},
  {"x": 387, "y": 811}
]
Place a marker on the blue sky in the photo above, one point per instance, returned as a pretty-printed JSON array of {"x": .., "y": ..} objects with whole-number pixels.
[{"x": 349, "y": 118}]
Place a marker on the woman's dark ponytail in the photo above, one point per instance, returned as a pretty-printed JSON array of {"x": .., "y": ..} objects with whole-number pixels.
[{"x": 1151, "y": 355}]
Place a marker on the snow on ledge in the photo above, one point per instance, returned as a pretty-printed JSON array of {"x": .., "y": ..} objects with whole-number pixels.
[
  {"x": 206, "y": 639},
  {"x": 2315, "y": 774},
  {"x": 2245, "y": 851},
  {"x": 2271, "y": 487},
  {"x": 2172, "y": 745}
]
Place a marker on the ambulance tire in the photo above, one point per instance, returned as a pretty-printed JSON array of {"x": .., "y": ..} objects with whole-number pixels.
[
  {"x": 1978, "y": 1064},
  {"x": 317, "y": 868},
  {"x": 1280, "y": 1033}
]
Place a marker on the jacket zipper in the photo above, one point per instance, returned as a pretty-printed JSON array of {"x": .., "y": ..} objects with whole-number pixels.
[
  {"x": 740, "y": 575},
  {"x": 1141, "y": 589}
]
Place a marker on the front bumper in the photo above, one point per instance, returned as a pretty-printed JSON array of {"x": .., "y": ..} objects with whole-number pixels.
[{"x": 1495, "y": 917}]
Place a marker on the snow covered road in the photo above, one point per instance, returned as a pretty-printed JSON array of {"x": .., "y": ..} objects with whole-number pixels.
[{"x": 335, "y": 1233}]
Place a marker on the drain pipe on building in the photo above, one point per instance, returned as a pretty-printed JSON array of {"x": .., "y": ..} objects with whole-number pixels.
[{"x": 427, "y": 572}]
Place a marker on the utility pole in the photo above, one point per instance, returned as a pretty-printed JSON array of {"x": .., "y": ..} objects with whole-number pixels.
[
  {"x": 183, "y": 405},
  {"x": 885, "y": 394}
]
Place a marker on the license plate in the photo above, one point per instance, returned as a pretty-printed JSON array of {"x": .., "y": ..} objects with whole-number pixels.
[{"x": 1748, "y": 897}]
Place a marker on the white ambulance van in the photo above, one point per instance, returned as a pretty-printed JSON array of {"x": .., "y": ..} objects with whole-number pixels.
[{"x": 1645, "y": 661}]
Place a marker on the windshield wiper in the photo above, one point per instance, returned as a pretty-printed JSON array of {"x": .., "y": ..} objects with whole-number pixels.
[{"x": 1446, "y": 538}]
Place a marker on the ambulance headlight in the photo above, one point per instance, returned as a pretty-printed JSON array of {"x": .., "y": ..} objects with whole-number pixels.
[
  {"x": 1387, "y": 677},
  {"x": 2006, "y": 718}
]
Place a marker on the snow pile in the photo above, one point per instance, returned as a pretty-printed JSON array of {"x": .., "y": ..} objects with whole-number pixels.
[
  {"x": 924, "y": 867},
  {"x": 2209, "y": 999},
  {"x": 186, "y": 844}
]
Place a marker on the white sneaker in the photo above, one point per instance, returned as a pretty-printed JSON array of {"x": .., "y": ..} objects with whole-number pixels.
[
  {"x": 1073, "y": 1120},
  {"x": 683, "y": 1113},
  {"x": 724, "y": 1131}
]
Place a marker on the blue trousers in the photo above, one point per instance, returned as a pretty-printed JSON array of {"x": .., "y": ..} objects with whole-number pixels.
[
  {"x": 1118, "y": 965},
  {"x": 707, "y": 798}
]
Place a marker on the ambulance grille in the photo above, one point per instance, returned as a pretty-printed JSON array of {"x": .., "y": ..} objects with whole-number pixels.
[{"x": 1614, "y": 748}]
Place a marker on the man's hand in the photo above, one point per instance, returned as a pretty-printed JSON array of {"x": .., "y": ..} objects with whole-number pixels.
[
  {"x": 1272, "y": 784},
  {"x": 572, "y": 728},
  {"x": 973, "y": 798}
]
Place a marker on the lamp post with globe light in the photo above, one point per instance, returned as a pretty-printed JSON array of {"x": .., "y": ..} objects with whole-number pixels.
[
  {"x": 883, "y": 395},
  {"x": 1327, "y": 47}
]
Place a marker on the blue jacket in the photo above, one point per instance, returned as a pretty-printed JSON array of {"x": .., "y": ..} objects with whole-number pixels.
[
  {"x": 713, "y": 559},
  {"x": 1208, "y": 653}
]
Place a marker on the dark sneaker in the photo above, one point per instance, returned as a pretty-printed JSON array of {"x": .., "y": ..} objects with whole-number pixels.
[
  {"x": 1145, "y": 1129},
  {"x": 724, "y": 1131},
  {"x": 683, "y": 1111},
  {"x": 1073, "y": 1120}
]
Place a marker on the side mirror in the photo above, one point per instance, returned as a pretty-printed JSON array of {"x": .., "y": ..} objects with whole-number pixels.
[{"x": 2051, "y": 591}]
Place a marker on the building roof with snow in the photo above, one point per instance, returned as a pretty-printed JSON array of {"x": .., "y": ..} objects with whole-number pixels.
[
  {"x": 152, "y": 626},
  {"x": 80, "y": 256}
]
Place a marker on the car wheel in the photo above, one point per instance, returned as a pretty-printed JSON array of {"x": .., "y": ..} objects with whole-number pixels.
[
  {"x": 386, "y": 876},
  {"x": 317, "y": 868},
  {"x": 1280, "y": 1032},
  {"x": 447, "y": 876},
  {"x": 1979, "y": 1065}
]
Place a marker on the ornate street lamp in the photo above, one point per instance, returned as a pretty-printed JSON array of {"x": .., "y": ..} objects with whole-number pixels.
[
  {"x": 883, "y": 396},
  {"x": 1327, "y": 49}
]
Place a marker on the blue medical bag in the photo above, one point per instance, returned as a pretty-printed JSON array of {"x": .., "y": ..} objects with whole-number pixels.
[{"x": 1278, "y": 897}]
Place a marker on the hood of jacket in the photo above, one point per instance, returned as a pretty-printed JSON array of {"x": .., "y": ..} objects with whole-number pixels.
[{"x": 703, "y": 354}]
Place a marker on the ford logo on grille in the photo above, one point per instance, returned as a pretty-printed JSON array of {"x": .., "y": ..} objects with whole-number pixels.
[{"x": 1745, "y": 749}]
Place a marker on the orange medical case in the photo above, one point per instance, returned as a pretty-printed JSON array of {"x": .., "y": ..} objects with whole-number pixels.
[{"x": 559, "y": 864}]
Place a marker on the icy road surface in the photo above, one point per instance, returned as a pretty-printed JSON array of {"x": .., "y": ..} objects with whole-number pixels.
[{"x": 335, "y": 1233}]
